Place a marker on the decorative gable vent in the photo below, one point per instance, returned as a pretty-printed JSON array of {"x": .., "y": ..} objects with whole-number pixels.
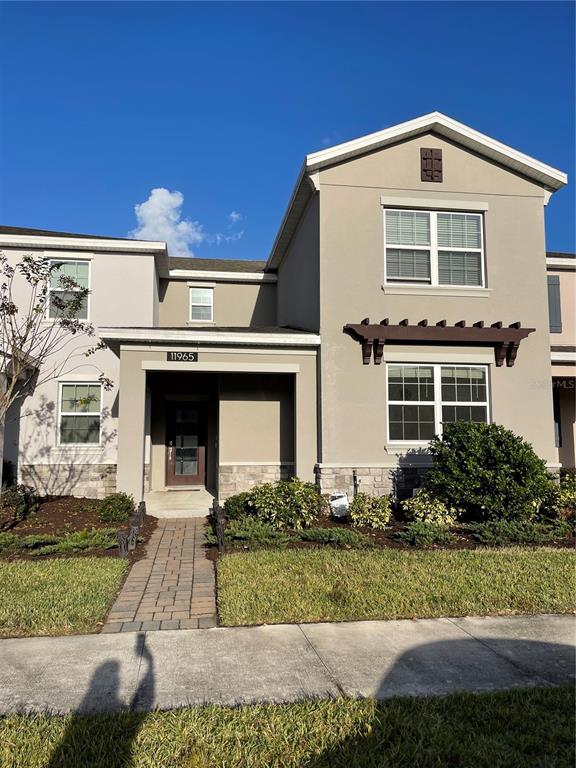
[{"x": 431, "y": 164}]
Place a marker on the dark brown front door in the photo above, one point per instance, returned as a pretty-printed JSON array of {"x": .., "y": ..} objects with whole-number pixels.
[{"x": 185, "y": 444}]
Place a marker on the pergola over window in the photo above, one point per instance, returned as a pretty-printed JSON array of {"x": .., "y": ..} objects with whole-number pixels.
[{"x": 373, "y": 337}]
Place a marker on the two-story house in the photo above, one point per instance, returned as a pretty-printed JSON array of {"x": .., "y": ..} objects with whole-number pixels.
[{"x": 406, "y": 288}]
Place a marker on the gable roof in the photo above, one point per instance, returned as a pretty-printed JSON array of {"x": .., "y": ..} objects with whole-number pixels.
[{"x": 548, "y": 177}]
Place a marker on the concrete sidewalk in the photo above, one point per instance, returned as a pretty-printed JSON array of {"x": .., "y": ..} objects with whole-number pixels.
[{"x": 284, "y": 663}]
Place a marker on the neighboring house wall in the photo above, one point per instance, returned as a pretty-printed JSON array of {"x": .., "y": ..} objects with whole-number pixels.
[
  {"x": 122, "y": 291},
  {"x": 354, "y": 408},
  {"x": 238, "y": 304},
  {"x": 299, "y": 274}
]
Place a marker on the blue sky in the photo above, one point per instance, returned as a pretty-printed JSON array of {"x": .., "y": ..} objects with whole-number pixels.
[{"x": 104, "y": 102}]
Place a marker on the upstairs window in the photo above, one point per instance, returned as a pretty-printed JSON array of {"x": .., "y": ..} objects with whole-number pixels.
[
  {"x": 79, "y": 272},
  {"x": 80, "y": 413},
  {"x": 434, "y": 248},
  {"x": 202, "y": 304}
]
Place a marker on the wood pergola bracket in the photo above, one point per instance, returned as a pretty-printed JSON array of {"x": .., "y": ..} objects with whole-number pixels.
[{"x": 374, "y": 336}]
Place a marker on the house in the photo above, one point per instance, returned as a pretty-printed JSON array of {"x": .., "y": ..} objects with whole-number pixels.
[{"x": 407, "y": 287}]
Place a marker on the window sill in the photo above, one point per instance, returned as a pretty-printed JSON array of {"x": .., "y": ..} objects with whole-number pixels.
[
  {"x": 437, "y": 290},
  {"x": 79, "y": 446},
  {"x": 200, "y": 322}
]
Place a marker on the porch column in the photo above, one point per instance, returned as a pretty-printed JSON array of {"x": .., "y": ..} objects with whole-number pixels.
[
  {"x": 131, "y": 425},
  {"x": 305, "y": 419}
]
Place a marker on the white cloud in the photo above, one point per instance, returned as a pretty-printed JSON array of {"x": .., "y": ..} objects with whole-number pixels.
[
  {"x": 234, "y": 217},
  {"x": 160, "y": 218}
]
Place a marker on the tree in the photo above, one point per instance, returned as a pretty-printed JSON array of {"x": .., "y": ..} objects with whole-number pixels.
[{"x": 41, "y": 309}]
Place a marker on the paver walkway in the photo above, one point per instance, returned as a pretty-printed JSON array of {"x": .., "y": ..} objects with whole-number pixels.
[
  {"x": 283, "y": 663},
  {"x": 173, "y": 587}
]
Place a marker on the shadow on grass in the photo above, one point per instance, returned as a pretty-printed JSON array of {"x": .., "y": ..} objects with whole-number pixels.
[
  {"x": 106, "y": 739},
  {"x": 420, "y": 722}
]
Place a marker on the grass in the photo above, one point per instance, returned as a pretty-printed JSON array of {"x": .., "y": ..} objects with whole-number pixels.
[
  {"x": 57, "y": 597},
  {"x": 326, "y": 585},
  {"x": 529, "y": 728}
]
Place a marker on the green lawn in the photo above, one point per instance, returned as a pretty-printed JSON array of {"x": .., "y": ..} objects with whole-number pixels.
[
  {"x": 57, "y": 597},
  {"x": 528, "y": 728},
  {"x": 272, "y": 587}
]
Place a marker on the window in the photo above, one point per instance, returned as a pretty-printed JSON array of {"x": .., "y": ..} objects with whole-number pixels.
[
  {"x": 79, "y": 271},
  {"x": 201, "y": 304},
  {"x": 423, "y": 397},
  {"x": 434, "y": 248},
  {"x": 80, "y": 413}
]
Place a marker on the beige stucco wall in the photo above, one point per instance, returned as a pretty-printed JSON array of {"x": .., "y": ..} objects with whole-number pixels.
[
  {"x": 567, "y": 308},
  {"x": 235, "y": 304},
  {"x": 33, "y": 439},
  {"x": 256, "y": 418},
  {"x": 299, "y": 274},
  {"x": 354, "y": 413}
]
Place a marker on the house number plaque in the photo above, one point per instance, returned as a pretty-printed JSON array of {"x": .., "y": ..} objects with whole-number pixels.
[{"x": 182, "y": 357}]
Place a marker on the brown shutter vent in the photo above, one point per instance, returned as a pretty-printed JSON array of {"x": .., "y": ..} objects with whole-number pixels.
[{"x": 431, "y": 165}]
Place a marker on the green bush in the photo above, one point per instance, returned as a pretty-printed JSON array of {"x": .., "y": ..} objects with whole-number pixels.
[
  {"x": 251, "y": 533},
  {"x": 567, "y": 496},
  {"x": 102, "y": 538},
  {"x": 20, "y": 499},
  {"x": 487, "y": 472},
  {"x": 237, "y": 506},
  {"x": 286, "y": 504},
  {"x": 421, "y": 533},
  {"x": 424, "y": 508},
  {"x": 504, "y": 532},
  {"x": 370, "y": 511},
  {"x": 47, "y": 544},
  {"x": 116, "y": 508},
  {"x": 340, "y": 537}
]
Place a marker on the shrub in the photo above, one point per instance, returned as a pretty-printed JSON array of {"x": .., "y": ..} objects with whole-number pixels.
[
  {"x": 503, "y": 532},
  {"x": 487, "y": 472},
  {"x": 370, "y": 511},
  {"x": 236, "y": 506},
  {"x": 567, "y": 496},
  {"x": 20, "y": 499},
  {"x": 116, "y": 508},
  {"x": 340, "y": 537},
  {"x": 97, "y": 538},
  {"x": 286, "y": 504},
  {"x": 252, "y": 533},
  {"x": 421, "y": 533},
  {"x": 8, "y": 542},
  {"x": 424, "y": 508}
]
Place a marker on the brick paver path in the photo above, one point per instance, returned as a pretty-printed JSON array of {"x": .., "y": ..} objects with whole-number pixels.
[{"x": 173, "y": 587}]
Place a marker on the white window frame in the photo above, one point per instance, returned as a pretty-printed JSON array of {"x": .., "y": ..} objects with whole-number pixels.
[
  {"x": 437, "y": 402},
  {"x": 433, "y": 248},
  {"x": 190, "y": 304},
  {"x": 61, "y": 385},
  {"x": 60, "y": 260}
]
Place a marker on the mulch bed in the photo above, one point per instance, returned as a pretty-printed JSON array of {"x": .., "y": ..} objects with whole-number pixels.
[
  {"x": 386, "y": 539},
  {"x": 66, "y": 514}
]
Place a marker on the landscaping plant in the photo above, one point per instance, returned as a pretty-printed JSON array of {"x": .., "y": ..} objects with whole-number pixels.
[
  {"x": 421, "y": 533},
  {"x": 285, "y": 504},
  {"x": 504, "y": 532},
  {"x": 487, "y": 472},
  {"x": 20, "y": 500},
  {"x": 116, "y": 508},
  {"x": 370, "y": 511},
  {"x": 424, "y": 508},
  {"x": 251, "y": 533},
  {"x": 340, "y": 537}
]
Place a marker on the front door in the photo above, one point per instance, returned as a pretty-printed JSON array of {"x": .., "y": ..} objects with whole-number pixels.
[{"x": 185, "y": 444}]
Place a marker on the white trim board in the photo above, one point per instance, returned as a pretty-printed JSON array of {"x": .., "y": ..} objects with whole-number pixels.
[
  {"x": 164, "y": 365},
  {"x": 223, "y": 277},
  {"x": 210, "y": 337},
  {"x": 438, "y": 204},
  {"x": 82, "y": 243},
  {"x": 563, "y": 357},
  {"x": 564, "y": 262}
]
